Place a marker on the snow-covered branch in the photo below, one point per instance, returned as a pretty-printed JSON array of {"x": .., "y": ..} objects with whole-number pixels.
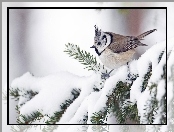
[{"x": 135, "y": 93}]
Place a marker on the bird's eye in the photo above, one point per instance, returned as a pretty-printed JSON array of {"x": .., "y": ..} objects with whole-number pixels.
[
  {"x": 104, "y": 36},
  {"x": 99, "y": 43}
]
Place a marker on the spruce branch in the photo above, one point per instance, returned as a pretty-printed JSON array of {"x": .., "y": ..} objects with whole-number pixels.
[
  {"x": 17, "y": 109},
  {"x": 36, "y": 115},
  {"x": 100, "y": 128},
  {"x": 100, "y": 117},
  {"x": 170, "y": 105},
  {"x": 22, "y": 128},
  {"x": 28, "y": 119},
  {"x": 14, "y": 93},
  {"x": 131, "y": 128},
  {"x": 17, "y": 93},
  {"x": 160, "y": 56},
  {"x": 147, "y": 77},
  {"x": 116, "y": 105},
  {"x": 84, "y": 58},
  {"x": 49, "y": 128},
  {"x": 153, "y": 105},
  {"x": 55, "y": 118},
  {"x": 4, "y": 95},
  {"x": 58, "y": 114},
  {"x": 120, "y": 104}
]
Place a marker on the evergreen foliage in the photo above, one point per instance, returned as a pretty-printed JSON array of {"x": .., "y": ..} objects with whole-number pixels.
[
  {"x": 14, "y": 93},
  {"x": 4, "y": 95},
  {"x": 118, "y": 103},
  {"x": 84, "y": 57},
  {"x": 154, "y": 106},
  {"x": 147, "y": 77},
  {"x": 22, "y": 128},
  {"x": 49, "y": 128},
  {"x": 17, "y": 93},
  {"x": 100, "y": 128},
  {"x": 28, "y": 119},
  {"x": 57, "y": 115}
]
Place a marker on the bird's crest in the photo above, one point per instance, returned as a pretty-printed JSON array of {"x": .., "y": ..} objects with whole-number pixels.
[{"x": 97, "y": 32}]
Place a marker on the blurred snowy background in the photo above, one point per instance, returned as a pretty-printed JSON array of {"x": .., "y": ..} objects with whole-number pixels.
[{"x": 37, "y": 37}]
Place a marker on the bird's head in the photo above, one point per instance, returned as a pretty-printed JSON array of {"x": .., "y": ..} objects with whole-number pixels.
[{"x": 101, "y": 40}]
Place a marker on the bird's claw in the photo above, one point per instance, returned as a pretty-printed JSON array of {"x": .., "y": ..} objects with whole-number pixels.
[{"x": 105, "y": 76}]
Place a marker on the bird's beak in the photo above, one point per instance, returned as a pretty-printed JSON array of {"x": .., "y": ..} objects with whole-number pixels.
[{"x": 92, "y": 46}]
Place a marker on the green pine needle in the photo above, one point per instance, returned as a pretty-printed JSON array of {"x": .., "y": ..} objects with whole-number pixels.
[{"x": 83, "y": 57}]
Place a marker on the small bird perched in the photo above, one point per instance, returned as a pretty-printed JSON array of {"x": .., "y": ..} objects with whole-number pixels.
[{"x": 115, "y": 50}]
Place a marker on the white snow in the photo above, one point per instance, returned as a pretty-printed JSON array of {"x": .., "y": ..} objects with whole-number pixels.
[
  {"x": 151, "y": 56},
  {"x": 92, "y": 100},
  {"x": 51, "y": 86},
  {"x": 170, "y": 87},
  {"x": 141, "y": 104},
  {"x": 53, "y": 90},
  {"x": 110, "y": 84},
  {"x": 158, "y": 115},
  {"x": 133, "y": 67},
  {"x": 170, "y": 93},
  {"x": 135, "y": 92},
  {"x": 170, "y": 50},
  {"x": 160, "y": 89},
  {"x": 88, "y": 84}
]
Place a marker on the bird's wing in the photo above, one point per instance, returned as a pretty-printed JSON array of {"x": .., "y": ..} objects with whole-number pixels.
[{"x": 122, "y": 43}]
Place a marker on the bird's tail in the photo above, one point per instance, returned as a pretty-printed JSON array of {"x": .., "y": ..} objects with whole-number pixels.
[
  {"x": 141, "y": 36},
  {"x": 141, "y": 44}
]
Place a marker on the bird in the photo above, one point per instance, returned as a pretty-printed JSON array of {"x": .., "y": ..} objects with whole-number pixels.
[{"x": 115, "y": 50}]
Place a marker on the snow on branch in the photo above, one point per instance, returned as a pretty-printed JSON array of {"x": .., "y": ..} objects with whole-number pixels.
[
  {"x": 170, "y": 87},
  {"x": 134, "y": 94},
  {"x": 148, "y": 91},
  {"x": 55, "y": 94}
]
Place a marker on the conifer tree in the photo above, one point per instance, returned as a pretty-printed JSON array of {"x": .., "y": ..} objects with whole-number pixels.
[{"x": 118, "y": 103}]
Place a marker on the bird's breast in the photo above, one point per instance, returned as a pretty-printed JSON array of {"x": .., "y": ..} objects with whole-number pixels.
[{"x": 115, "y": 60}]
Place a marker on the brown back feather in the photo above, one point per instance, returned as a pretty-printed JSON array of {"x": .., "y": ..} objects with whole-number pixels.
[{"x": 122, "y": 43}]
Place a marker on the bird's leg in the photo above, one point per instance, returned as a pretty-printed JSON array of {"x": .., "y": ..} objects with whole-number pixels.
[
  {"x": 129, "y": 75},
  {"x": 106, "y": 75}
]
